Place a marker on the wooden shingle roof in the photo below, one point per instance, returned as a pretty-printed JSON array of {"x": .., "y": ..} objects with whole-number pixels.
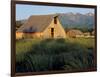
[{"x": 36, "y": 23}]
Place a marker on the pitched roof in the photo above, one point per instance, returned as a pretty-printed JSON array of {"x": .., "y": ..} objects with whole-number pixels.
[{"x": 36, "y": 23}]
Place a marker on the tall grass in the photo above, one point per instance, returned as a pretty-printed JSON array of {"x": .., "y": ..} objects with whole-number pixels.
[
  {"x": 53, "y": 54},
  {"x": 23, "y": 46},
  {"x": 87, "y": 42}
]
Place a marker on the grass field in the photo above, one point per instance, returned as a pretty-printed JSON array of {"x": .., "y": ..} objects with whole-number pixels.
[{"x": 54, "y": 54}]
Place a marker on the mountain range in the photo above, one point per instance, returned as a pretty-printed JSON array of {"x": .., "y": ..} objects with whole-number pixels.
[
  {"x": 75, "y": 20},
  {"x": 71, "y": 20}
]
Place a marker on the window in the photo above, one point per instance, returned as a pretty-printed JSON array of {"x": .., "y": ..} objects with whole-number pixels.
[
  {"x": 55, "y": 20},
  {"x": 52, "y": 32}
]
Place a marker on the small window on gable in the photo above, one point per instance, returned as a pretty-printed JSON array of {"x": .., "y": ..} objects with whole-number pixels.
[{"x": 55, "y": 20}]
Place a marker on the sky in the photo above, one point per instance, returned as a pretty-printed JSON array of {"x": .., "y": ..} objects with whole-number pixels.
[{"x": 24, "y": 11}]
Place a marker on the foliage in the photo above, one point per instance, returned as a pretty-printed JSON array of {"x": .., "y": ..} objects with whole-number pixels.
[{"x": 18, "y": 24}]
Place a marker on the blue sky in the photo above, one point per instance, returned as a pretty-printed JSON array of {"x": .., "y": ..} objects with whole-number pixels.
[{"x": 24, "y": 11}]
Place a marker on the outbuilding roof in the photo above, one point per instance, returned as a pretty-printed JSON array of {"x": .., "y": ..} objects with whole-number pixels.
[{"x": 74, "y": 32}]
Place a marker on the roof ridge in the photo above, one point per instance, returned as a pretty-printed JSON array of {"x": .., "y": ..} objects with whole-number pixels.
[{"x": 45, "y": 14}]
